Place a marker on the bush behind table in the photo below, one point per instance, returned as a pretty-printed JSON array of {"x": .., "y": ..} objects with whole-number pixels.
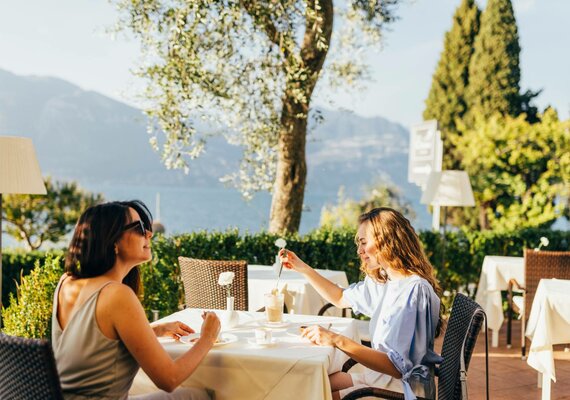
[{"x": 29, "y": 313}]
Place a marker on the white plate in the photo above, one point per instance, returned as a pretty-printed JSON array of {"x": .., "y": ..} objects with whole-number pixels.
[
  {"x": 225, "y": 338},
  {"x": 281, "y": 324},
  {"x": 294, "y": 331},
  {"x": 253, "y": 342}
]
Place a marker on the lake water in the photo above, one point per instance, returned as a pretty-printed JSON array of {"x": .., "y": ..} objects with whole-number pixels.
[{"x": 186, "y": 209}]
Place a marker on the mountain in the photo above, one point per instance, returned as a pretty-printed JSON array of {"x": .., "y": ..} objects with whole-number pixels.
[{"x": 85, "y": 136}]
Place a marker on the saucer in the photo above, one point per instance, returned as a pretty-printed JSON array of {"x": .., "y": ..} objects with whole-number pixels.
[
  {"x": 254, "y": 342},
  {"x": 267, "y": 324},
  {"x": 225, "y": 338}
]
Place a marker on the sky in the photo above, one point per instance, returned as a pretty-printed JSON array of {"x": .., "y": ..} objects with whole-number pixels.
[{"x": 67, "y": 39}]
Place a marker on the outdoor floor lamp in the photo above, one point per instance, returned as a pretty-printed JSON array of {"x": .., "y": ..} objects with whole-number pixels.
[
  {"x": 448, "y": 189},
  {"x": 19, "y": 174}
]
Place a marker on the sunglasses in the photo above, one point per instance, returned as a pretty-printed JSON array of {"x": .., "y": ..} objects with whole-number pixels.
[{"x": 138, "y": 225}]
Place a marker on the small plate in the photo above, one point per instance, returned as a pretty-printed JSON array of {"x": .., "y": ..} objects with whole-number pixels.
[
  {"x": 253, "y": 342},
  {"x": 295, "y": 332},
  {"x": 281, "y": 324},
  {"x": 225, "y": 338}
]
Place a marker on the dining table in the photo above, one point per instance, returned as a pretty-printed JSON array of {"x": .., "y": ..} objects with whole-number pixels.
[
  {"x": 548, "y": 324},
  {"x": 496, "y": 273},
  {"x": 289, "y": 367},
  {"x": 300, "y": 296}
]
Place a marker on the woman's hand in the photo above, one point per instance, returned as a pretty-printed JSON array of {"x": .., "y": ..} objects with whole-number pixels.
[
  {"x": 321, "y": 336},
  {"x": 174, "y": 329},
  {"x": 210, "y": 327},
  {"x": 290, "y": 261}
]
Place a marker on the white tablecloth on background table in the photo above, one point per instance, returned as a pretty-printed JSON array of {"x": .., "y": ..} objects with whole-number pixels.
[
  {"x": 548, "y": 324},
  {"x": 496, "y": 273},
  {"x": 293, "y": 368},
  {"x": 303, "y": 298}
]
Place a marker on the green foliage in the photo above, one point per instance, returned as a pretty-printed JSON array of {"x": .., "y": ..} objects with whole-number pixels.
[
  {"x": 244, "y": 67},
  {"x": 324, "y": 248},
  {"x": 518, "y": 170},
  {"x": 446, "y": 99},
  {"x": 29, "y": 315},
  {"x": 346, "y": 212},
  {"x": 16, "y": 263},
  {"x": 494, "y": 71},
  {"x": 35, "y": 220}
]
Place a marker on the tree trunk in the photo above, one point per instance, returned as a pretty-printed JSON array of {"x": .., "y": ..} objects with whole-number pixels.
[
  {"x": 291, "y": 173},
  {"x": 483, "y": 220}
]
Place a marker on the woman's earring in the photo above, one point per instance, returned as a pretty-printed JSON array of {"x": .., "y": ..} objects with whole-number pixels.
[{"x": 116, "y": 250}]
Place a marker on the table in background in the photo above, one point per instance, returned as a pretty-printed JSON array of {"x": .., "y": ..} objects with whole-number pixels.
[
  {"x": 548, "y": 324},
  {"x": 302, "y": 298},
  {"x": 496, "y": 273},
  {"x": 292, "y": 368}
]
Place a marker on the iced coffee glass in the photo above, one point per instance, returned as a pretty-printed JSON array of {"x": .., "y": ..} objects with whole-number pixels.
[{"x": 274, "y": 307}]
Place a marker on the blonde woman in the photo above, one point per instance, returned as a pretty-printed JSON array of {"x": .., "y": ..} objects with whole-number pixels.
[{"x": 400, "y": 295}]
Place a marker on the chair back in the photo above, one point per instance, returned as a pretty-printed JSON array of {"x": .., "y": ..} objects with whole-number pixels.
[
  {"x": 200, "y": 280},
  {"x": 460, "y": 336},
  {"x": 27, "y": 369},
  {"x": 542, "y": 265}
]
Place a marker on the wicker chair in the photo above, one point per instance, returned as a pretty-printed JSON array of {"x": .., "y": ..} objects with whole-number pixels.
[
  {"x": 27, "y": 370},
  {"x": 537, "y": 265},
  {"x": 201, "y": 289},
  {"x": 464, "y": 325}
]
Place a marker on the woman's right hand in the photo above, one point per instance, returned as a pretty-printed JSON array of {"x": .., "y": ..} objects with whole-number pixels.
[
  {"x": 210, "y": 327},
  {"x": 290, "y": 260}
]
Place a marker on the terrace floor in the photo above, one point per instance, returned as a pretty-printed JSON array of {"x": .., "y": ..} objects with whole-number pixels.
[{"x": 509, "y": 376}]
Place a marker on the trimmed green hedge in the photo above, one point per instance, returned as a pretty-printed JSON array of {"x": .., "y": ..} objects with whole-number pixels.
[{"x": 326, "y": 249}]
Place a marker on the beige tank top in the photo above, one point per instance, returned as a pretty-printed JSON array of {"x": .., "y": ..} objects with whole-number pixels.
[{"x": 90, "y": 365}]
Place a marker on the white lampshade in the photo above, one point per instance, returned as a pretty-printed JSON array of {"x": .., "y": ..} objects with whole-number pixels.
[
  {"x": 19, "y": 169},
  {"x": 448, "y": 188}
]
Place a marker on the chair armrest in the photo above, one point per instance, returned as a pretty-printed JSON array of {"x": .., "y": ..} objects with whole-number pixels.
[
  {"x": 376, "y": 392},
  {"x": 514, "y": 285}
]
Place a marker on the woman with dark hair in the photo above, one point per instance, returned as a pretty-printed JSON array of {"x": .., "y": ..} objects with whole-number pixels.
[
  {"x": 100, "y": 333},
  {"x": 401, "y": 296}
]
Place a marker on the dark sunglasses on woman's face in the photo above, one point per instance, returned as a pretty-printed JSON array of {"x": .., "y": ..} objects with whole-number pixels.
[{"x": 138, "y": 225}]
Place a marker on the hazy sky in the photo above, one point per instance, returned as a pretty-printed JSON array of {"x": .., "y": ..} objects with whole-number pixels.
[{"x": 67, "y": 39}]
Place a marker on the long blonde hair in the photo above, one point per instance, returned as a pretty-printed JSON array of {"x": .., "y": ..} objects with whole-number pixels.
[{"x": 398, "y": 246}]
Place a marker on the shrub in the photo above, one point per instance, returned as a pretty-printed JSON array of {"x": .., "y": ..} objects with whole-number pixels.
[
  {"x": 29, "y": 314},
  {"x": 16, "y": 264}
]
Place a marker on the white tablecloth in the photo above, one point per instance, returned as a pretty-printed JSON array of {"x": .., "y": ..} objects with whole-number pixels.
[
  {"x": 495, "y": 276},
  {"x": 293, "y": 368},
  {"x": 302, "y": 298},
  {"x": 548, "y": 324}
]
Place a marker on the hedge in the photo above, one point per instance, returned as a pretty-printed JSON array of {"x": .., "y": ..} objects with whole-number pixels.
[{"x": 326, "y": 249}]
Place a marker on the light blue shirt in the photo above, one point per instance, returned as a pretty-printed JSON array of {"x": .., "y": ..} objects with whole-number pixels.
[{"x": 403, "y": 317}]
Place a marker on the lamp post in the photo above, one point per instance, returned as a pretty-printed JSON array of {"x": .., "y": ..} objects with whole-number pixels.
[
  {"x": 449, "y": 188},
  {"x": 19, "y": 174}
]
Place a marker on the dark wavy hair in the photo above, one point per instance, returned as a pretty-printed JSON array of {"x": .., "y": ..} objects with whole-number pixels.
[{"x": 91, "y": 251}]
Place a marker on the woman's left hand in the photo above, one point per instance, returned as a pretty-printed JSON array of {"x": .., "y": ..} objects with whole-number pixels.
[
  {"x": 174, "y": 329},
  {"x": 319, "y": 335}
]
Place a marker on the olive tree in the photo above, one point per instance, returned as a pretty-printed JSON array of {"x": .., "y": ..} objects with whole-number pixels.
[
  {"x": 35, "y": 220},
  {"x": 252, "y": 67}
]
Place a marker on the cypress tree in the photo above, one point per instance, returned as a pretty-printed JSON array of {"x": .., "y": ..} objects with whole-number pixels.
[
  {"x": 494, "y": 71},
  {"x": 446, "y": 99}
]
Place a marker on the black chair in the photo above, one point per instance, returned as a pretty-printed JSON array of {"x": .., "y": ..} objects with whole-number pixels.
[
  {"x": 464, "y": 325},
  {"x": 27, "y": 370}
]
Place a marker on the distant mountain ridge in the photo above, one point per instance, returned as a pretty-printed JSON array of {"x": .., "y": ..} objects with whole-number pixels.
[{"x": 85, "y": 136}]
